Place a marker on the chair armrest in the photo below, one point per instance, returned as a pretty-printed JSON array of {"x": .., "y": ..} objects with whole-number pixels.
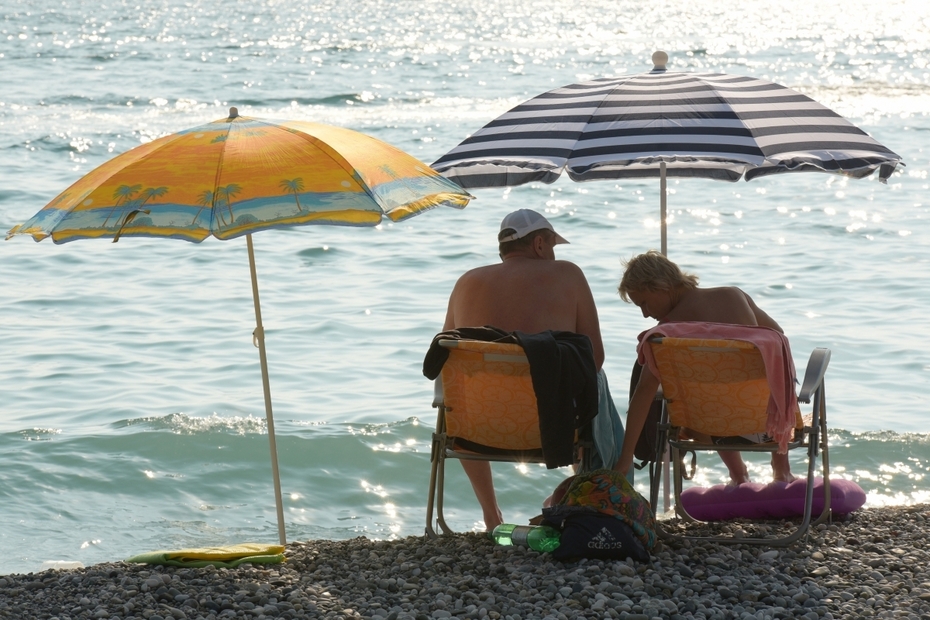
[
  {"x": 437, "y": 391},
  {"x": 813, "y": 377}
]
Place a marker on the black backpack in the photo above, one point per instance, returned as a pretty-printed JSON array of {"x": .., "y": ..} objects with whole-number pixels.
[{"x": 587, "y": 533}]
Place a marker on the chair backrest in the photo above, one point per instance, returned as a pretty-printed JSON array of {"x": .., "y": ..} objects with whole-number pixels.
[
  {"x": 488, "y": 394},
  {"x": 716, "y": 387}
]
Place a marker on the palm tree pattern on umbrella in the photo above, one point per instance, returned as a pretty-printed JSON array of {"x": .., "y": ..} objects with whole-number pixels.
[
  {"x": 294, "y": 186},
  {"x": 122, "y": 193},
  {"x": 205, "y": 200},
  {"x": 224, "y": 194},
  {"x": 135, "y": 206}
]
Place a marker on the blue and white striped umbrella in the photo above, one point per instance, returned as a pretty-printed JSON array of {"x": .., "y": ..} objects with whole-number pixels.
[{"x": 660, "y": 124}]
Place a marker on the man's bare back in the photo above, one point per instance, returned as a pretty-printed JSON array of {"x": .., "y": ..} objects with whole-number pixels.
[{"x": 528, "y": 295}]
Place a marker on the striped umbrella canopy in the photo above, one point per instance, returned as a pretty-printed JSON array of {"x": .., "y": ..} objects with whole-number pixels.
[
  {"x": 240, "y": 175},
  {"x": 661, "y": 124}
]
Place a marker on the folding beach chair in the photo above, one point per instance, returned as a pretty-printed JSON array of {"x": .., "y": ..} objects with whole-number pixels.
[
  {"x": 486, "y": 411},
  {"x": 720, "y": 388}
]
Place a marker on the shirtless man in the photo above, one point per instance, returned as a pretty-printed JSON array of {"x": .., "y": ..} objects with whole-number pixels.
[
  {"x": 663, "y": 292},
  {"x": 528, "y": 291}
]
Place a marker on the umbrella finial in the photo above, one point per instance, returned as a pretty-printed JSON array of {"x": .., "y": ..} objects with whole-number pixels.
[
  {"x": 233, "y": 113},
  {"x": 659, "y": 59}
]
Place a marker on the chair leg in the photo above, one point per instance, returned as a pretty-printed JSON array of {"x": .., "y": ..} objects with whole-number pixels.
[
  {"x": 440, "y": 490},
  {"x": 656, "y": 466},
  {"x": 677, "y": 483},
  {"x": 429, "y": 500},
  {"x": 827, "y": 513},
  {"x": 437, "y": 477},
  {"x": 655, "y": 481},
  {"x": 587, "y": 448},
  {"x": 435, "y": 451},
  {"x": 655, "y": 470}
]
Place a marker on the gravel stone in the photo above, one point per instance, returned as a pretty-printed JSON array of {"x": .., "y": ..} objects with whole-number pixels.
[{"x": 874, "y": 563}]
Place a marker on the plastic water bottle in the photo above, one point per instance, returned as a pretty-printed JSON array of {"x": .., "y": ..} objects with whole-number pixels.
[{"x": 536, "y": 537}]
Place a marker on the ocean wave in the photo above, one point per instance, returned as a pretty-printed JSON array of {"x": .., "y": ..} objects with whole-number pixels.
[{"x": 191, "y": 425}]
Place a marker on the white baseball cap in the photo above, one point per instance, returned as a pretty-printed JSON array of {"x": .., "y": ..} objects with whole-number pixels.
[{"x": 523, "y": 222}]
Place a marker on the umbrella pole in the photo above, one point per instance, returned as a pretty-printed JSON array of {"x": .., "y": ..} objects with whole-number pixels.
[
  {"x": 663, "y": 208},
  {"x": 258, "y": 338},
  {"x": 663, "y": 219}
]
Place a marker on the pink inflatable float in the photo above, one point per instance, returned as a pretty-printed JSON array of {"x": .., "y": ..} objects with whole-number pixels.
[{"x": 776, "y": 500}]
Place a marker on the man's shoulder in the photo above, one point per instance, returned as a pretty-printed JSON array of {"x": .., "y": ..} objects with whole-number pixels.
[
  {"x": 477, "y": 276},
  {"x": 570, "y": 271},
  {"x": 480, "y": 272},
  {"x": 552, "y": 265},
  {"x": 558, "y": 269}
]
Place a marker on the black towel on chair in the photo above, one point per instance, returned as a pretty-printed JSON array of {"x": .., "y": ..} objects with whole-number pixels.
[
  {"x": 436, "y": 356},
  {"x": 565, "y": 382}
]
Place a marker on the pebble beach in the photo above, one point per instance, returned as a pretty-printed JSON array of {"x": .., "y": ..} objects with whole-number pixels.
[
  {"x": 133, "y": 416},
  {"x": 873, "y": 563}
]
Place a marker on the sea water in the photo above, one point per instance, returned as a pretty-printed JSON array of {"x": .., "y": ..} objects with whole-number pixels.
[{"x": 131, "y": 410}]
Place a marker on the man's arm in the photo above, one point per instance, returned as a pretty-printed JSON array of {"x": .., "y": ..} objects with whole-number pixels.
[
  {"x": 643, "y": 396},
  {"x": 587, "y": 321},
  {"x": 450, "y": 322},
  {"x": 450, "y": 315}
]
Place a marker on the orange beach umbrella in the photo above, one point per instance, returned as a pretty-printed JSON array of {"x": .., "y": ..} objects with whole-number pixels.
[{"x": 240, "y": 175}]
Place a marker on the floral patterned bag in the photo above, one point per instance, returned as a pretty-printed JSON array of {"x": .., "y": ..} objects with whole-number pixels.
[{"x": 602, "y": 516}]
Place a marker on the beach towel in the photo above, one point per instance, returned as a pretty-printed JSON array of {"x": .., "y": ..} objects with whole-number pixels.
[
  {"x": 221, "y": 557},
  {"x": 607, "y": 429}
]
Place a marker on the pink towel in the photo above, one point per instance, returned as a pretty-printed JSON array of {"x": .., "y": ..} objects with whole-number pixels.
[{"x": 776, "y": 355}]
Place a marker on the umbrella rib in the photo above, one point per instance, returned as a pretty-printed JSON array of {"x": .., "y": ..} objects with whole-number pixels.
[
  {"x": 216, "y": 178},
  {"x": 340, "y": 161}
]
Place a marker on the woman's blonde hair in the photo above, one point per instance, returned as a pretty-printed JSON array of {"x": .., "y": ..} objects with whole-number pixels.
[{"x": 652, "y": 271}]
